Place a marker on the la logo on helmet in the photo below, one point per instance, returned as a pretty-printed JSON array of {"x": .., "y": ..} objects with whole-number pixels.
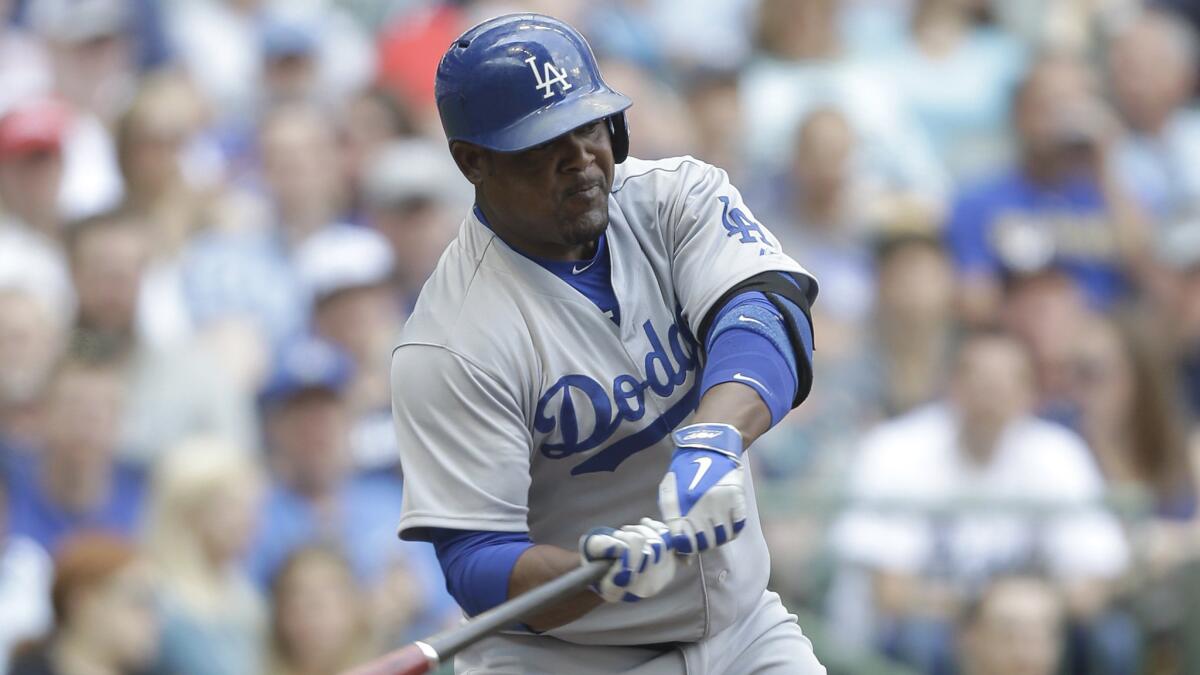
[{"x": 549, "y": 76}]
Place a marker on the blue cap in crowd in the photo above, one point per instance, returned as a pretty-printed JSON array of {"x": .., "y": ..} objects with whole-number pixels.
[
  {"x": 305, "y": 364},
  {"x": 287, "y": 36}
]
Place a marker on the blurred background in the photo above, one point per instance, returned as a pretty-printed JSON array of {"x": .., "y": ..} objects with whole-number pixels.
[{"x": 216, "y": 214}]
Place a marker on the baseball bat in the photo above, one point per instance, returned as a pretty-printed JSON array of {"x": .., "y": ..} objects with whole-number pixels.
[{"x": 424, "y": 656}]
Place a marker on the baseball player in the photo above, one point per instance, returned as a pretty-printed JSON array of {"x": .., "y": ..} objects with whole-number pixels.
[{"x": 598, "y": 346}]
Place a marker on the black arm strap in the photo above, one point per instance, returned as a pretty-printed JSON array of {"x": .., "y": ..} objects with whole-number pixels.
[{"x": 777, "y": 286}]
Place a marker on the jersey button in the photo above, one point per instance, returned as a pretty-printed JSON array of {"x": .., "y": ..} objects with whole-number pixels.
[{"x": 722, "y": 576}]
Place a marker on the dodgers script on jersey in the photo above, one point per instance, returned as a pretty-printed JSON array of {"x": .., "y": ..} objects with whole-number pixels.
[{"x": 519, "y": 406}]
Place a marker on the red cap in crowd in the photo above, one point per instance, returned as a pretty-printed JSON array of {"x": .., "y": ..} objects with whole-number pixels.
[{"x": 34, "y": 125}]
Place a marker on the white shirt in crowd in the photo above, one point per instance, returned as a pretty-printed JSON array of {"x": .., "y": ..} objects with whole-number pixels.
[
  {"x": 25, "y": 577},
  {"x": 916, "y": 459}
]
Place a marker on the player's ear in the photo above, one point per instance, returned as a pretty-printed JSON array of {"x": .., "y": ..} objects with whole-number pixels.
[{"x": 471, "y": 160}]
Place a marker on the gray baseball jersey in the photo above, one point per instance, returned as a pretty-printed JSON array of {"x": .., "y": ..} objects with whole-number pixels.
[{"x": 519, "y": 406}]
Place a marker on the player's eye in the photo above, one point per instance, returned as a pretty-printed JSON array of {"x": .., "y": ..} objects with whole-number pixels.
[
  {"x": 541, "y": 147},
  {"x": 590, "y": 128}
]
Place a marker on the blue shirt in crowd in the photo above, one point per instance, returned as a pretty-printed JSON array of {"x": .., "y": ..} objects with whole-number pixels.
[
  {"x": 1009, "y": 225},
  {"x": 33, "y": 514},
  {"x": 245, "y": 274},
  {"x": 362, "y": 526}
]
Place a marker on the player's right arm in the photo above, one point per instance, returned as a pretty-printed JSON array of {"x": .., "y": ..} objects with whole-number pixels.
[
  {"x": 540, "y": 564},
  {"x": 465, "y": 454},
  {"x": 483, "y": 569}
]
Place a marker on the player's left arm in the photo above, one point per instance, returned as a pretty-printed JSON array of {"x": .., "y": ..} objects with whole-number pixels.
[
  {"x": 757, "y": 367},
  {"x": 749, "y": 305}
]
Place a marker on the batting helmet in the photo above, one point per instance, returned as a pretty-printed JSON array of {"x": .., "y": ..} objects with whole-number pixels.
[{"x": 520, "y": 80}]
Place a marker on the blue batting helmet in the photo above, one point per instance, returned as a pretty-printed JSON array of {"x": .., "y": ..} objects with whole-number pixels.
[{"x": 520, "y": 80}]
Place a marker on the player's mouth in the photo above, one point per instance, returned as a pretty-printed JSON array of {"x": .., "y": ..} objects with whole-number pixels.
[{"x": 589, "y": 189}]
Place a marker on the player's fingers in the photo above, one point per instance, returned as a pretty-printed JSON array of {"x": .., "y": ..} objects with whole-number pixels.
[
  {"x": 661, "y": 531},
  {"x": 668, "y": 498},
  {"x": 722, "y": 532},
  {"x": 607, "y": 588},
  {"x": 634, "y": 557},
  {"x": 652, "y": 544},
  {"x": 706, "y": 535},
  {"x": 683, "y": 535},
  {"x": 739, "y": 513},
  {"x": 600, "y": 543}
]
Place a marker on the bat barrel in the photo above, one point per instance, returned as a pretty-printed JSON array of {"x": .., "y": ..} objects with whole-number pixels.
[{"x": 415, "y": 659}]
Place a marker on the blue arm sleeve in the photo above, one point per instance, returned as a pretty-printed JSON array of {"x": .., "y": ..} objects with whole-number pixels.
[
  {"x": 478, "y": 565},
  {"x": 748, "y": 343}
]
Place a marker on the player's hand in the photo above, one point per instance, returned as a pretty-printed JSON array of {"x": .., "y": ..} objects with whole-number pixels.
[
  {"x": 643, "y": 563},
  {"x": 702, "y": 497}
]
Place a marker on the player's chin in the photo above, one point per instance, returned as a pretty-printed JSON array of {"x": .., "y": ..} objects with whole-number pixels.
[{"x": 583, "y": 227}]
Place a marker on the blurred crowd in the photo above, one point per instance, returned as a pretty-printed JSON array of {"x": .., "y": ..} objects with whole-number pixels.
[{"x": 216, "y": 215}]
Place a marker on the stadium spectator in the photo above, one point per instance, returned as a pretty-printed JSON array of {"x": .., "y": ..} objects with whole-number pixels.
[
  {"x": 914, "y": 323},
  {"x": 922, "y": 555},
  {"x": 24, "y": 63},
  {"x": 313, "y": 495},
  {"x": 31, "y": 137},
  {"x": 1133, "y": 425},
  {"x": 93, "y": 63},
  {"x": 173, "y": 392},
  {"x": 172, "y": 177},
  {"x": 73, "y": 482},
  {"x": 829, "y": 218},
  {"x": 800, "y": 66},
  {"x": 896, "y": 362},
  {"x": 32, "y": 134},
  {"x": 104, "y": 616},
  {"x": 248, "y": 272},
  {"x": 955, "y": 75},
  {"x": 1015, "y": 627},
  {"x": 92, "y": 52},
  {"x": 1152, "y": 74},
  {"x": 31, "y": 339},
  {"x": 716, "y": 112},
  {"x": 200, "y": 520},
  {"x": 1184, "y": 325},
  {"x": 368, "y": 122},
  {"x": 316, "y": 498},
  {"x": 319, "y": 615},
  {"x": 1048, "y": 311},
  {"x": 416, "y": 198},
  {"x": 1059, "y": 205},
  {"x": 288, "y": 47},
  {"x": 1131, "y": 419},
  {"x": 25, "y": 575},
  {"x": 348, "y": 268},
  {"x": 232, "y": 77},
  {"x": 669, "y": 130},
  {"x": 298, "y": 145}
]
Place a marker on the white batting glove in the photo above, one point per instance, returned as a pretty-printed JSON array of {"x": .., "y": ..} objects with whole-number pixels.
[
  {"x": 702, "y": 497},
  {"x": 643, "y": 563}
]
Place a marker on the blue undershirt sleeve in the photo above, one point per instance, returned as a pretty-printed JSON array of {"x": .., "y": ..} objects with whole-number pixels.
[
  {"x": 748, "y": 343},
  {"x": 478, "y": 565}
]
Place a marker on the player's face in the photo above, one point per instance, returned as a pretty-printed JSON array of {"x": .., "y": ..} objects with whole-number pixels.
[{"x": 551, "y": 199}]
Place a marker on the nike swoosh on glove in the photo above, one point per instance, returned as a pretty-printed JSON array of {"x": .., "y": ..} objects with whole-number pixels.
[
  {"x": 702, "y": 497},
  {"x": 643, "y": 563}
]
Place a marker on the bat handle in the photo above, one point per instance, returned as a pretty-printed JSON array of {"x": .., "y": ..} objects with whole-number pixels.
[{"x": 423, "y": 657}]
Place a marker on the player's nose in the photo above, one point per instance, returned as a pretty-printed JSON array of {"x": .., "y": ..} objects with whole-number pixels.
[{"x": 576, "y": 153}]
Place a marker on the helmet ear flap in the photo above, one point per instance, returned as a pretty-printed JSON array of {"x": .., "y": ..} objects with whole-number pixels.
[{"x": 619, "y": 130}]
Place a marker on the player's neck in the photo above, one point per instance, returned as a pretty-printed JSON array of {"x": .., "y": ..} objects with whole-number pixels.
[{"x": 542, "y": 250}]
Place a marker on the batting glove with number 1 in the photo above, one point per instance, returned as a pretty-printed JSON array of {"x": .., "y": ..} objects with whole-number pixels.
[
  {"x": 702, "y": 497},
  {"x": 643, "y": 563}
]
